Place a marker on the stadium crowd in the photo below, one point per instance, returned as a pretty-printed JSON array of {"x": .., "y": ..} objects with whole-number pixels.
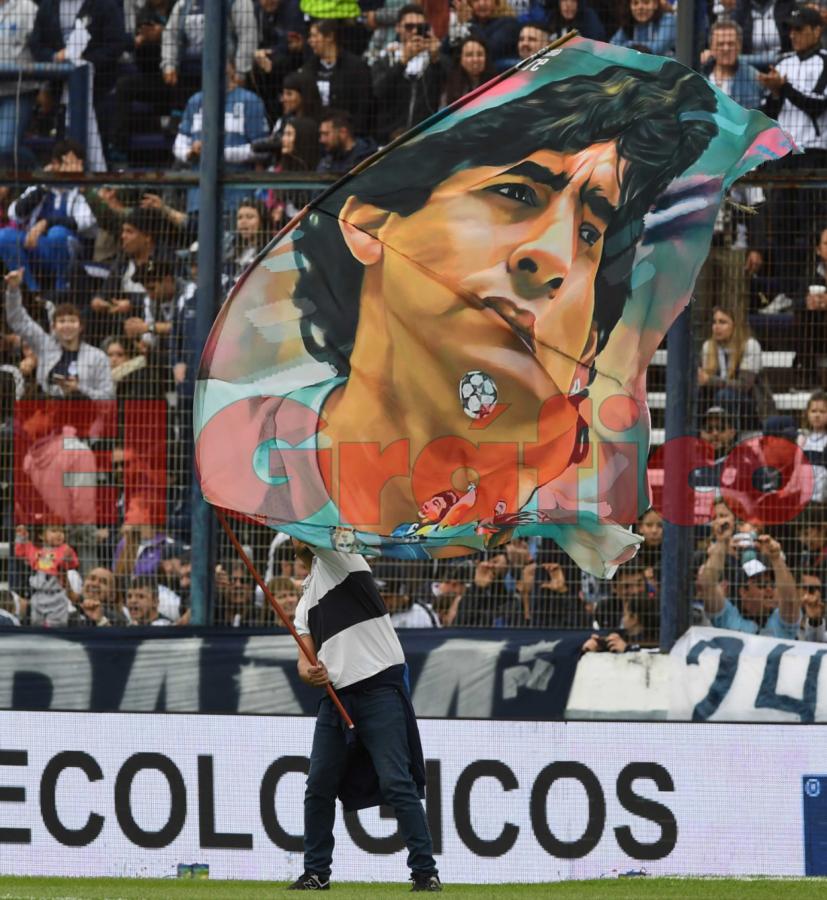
[{"x": 100, "y": 300}]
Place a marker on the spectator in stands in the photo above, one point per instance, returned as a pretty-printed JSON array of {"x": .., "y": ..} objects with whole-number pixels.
[
  {"x": 183, "y": 41},
  {"x": 146, "y": 85},
  {"x": 574, "y": 15},
  {"x": 143, "y": 540},
  {"x": 798, "y": 101},
  {"x": 810, "y": 331},
  {"x": 487, "y": 602},
  {"x": 286, "y": 595},
  {"x": 49, "y": 225},
  {"x": 299, "y": 146},
  {"x": 405, "y": 610},
  {"x": 282, "y": 563},
  {"x": 812, "y": 438},
  {"x": 809, "y": 550},
  {"x": 519, "y": 574},
  {"x": 236, "y": 599},
  {"x": 628, "y": 586},
  {"x": 129, "y": 369},
  {"x": 718, "y": 431},
  {"x": 447, "y": 594},
  {"x": 408, "y": 76},
  {"x": 765, "y": 29},
  {"x": 556, "y": 597},
  {"x": 184, "y": 353},
  {"x": 383, "y": 26},
  {"x": 281, "y": 35},
  {"x": 470, "y": 68},
  {"x": 299, "y": 99},
  {"x": 645, "y": 23},
  {"x": 245, "y": 122},
  {"x": 299, "y": 153},
  {"x": 346, "y": 16},
  {"x": 122, "y": 295},
  {"x": 639, "y": 626},
  {"x": 784, "y": 486},
  {"x": 811, "y": 595},
  {"x": 342, "y": 150},
  {"x": 158, "y": 276},
  {"x": 725, "y": 68},
  {"x": 736, "y": 252},
  {"x": 730, "y": 373},
  {"x": 90, "y": 30},
  {"x": 531, "y": 40},
  {"x": 17, "y": 96},
  {"x": 67, "y": 366},
  {"x": 764, "y": 607},
  {"x": 650, "y": 528},
  {"x": 96, "y": 604},
  {"x": 251, "y": 235},
  {"x": 724, "y": 527},
  {"x": 175, "y": 577},
  {"x": 13, "y": 609},
  {"x": 342, "y": 78},
  {"x": 491, "y": 24},
  {"x": 151, "y": 333},
  {"x": 142, "y": 602},
  {"x": 51, "y": 561}
]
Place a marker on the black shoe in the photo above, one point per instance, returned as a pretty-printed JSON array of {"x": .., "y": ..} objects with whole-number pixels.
[
  {"x": 309, "y": 881},
  {"x": 424, "y": 882}
]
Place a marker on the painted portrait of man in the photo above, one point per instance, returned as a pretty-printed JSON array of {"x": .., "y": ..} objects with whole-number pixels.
[{"x": 448, "y": 307}]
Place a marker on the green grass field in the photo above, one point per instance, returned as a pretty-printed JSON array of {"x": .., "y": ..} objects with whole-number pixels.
[{"x": 620, "y": 889}]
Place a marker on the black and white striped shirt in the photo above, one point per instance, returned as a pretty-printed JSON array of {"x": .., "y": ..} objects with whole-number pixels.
[{"x": 342, "y": 610}]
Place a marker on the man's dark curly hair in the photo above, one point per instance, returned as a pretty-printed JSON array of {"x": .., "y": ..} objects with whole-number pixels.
[{"x": 662, "y": 122}]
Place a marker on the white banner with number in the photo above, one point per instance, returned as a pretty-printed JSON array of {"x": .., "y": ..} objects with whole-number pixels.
[{"x": 729, "y": 676}]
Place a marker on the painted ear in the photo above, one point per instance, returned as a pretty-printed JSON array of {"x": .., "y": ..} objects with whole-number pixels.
[{"x": 359, "y": 223}]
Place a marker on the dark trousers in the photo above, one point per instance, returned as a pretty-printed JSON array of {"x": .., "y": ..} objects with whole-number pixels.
[{"x": 380, "y": 722}]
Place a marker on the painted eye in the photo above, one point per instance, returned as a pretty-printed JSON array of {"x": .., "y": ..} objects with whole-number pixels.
[
  {"x": 589, "y": 234},
  {"x": 520, "y": 193}
]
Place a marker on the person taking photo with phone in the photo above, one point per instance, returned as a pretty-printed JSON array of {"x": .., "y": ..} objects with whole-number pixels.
[
  {"x": 408, "y": 76},
  {"x": 764, "y": 600}
]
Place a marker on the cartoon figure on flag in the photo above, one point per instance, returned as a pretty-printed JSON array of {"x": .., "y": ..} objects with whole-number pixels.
[{"x": 451, "y": 346}]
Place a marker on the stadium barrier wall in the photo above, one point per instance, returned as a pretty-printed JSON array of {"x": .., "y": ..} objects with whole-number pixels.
[
  {"x": 710, "y": 675},
  {"x": 136, "y": 794},
  {"x": 478, "y": 673}
]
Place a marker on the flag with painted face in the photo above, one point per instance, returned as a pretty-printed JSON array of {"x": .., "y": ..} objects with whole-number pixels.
[{"x": 449, "y": 347}]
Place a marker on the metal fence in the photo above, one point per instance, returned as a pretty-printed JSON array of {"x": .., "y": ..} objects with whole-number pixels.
[{"x": 164, "y": 172}]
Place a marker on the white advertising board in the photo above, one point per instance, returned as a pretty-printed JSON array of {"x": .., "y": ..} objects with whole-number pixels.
[{"x": 134, "y": 794}]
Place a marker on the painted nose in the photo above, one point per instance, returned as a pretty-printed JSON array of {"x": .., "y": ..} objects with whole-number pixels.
[{"x": 541, "y": 263}]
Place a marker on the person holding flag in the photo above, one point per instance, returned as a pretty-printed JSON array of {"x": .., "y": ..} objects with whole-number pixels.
[{"x": 342, "y": 620}]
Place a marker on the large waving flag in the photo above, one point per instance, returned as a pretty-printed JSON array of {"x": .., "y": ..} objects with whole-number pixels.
[{"x": 450, "y": 347}]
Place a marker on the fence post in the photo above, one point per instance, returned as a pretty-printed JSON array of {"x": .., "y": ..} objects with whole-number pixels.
[
  {"x": 78, "y": 90},
  {"x": 677, "y": 539},
  {"x": 210, "y": 252}
]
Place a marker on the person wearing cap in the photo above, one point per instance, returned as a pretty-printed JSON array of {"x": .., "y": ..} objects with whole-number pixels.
[
  {"x": 762, "y": 607},
  {"x": 798, "y": 100},
  {"x": 797, "y": 84},
  {"x": 122, "y": 294}
]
